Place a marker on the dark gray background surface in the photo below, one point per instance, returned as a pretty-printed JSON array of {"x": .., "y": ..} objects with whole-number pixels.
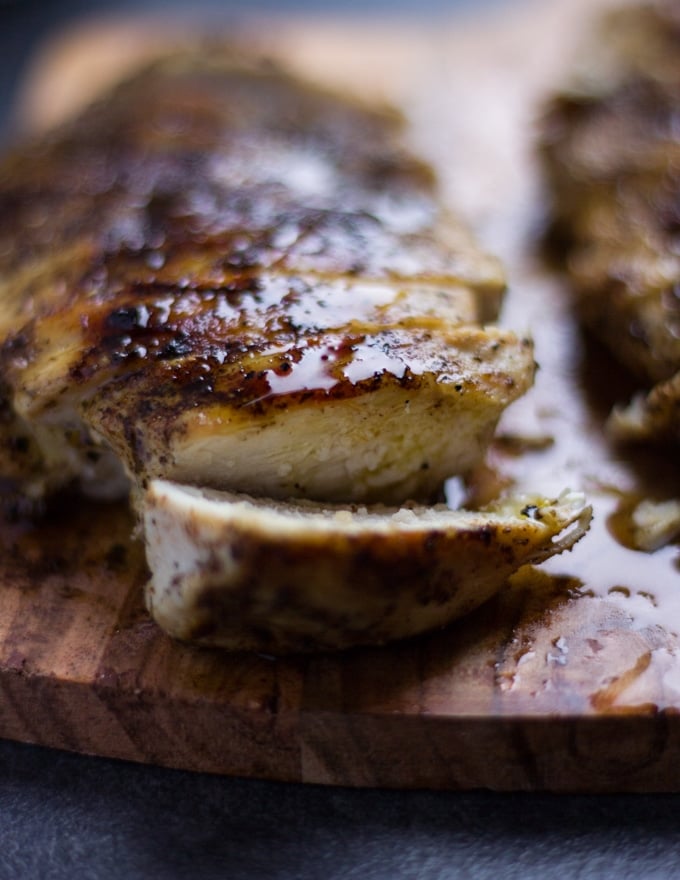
[{"x": 69, "y": 816}]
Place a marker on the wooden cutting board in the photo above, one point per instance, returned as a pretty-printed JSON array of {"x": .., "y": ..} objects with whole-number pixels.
[{"x": 569, "y": 680}]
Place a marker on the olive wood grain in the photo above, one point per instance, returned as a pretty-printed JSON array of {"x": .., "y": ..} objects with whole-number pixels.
[{"x": 568, "y": 680}]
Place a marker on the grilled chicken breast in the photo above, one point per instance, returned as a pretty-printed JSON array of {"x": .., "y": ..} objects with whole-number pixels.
[
  {"x": 222, "y": 276},
  {"x": 612, "y": 153},
  {"x": 220, "y": 280}
]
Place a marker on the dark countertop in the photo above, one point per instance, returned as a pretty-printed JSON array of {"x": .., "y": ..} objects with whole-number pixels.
[{"x": 65, "y": 816}]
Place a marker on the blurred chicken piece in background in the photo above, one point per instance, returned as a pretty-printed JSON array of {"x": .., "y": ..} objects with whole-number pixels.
[{"x": 611, "y": 146}]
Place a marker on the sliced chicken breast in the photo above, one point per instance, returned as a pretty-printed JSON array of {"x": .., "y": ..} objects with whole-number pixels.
[
  {"x": 220, "y": 277},
  {"x": 223, "y": 276}
]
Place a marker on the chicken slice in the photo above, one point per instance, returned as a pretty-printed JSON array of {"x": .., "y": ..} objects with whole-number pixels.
[
  {"x": 254, "y": 574},
  {"x": 362, "y": 411},
  {"x": 612, "y": 151}
]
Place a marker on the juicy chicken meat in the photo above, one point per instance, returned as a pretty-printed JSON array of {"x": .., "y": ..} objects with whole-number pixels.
[
  {"x": 612, "y": 152},
  {"x": 221, "y": 276}
]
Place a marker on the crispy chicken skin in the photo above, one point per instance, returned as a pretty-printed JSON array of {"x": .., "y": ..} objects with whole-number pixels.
[
  {"x": 222, "y": 276},
  {"x": 612, "y": 152}
]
